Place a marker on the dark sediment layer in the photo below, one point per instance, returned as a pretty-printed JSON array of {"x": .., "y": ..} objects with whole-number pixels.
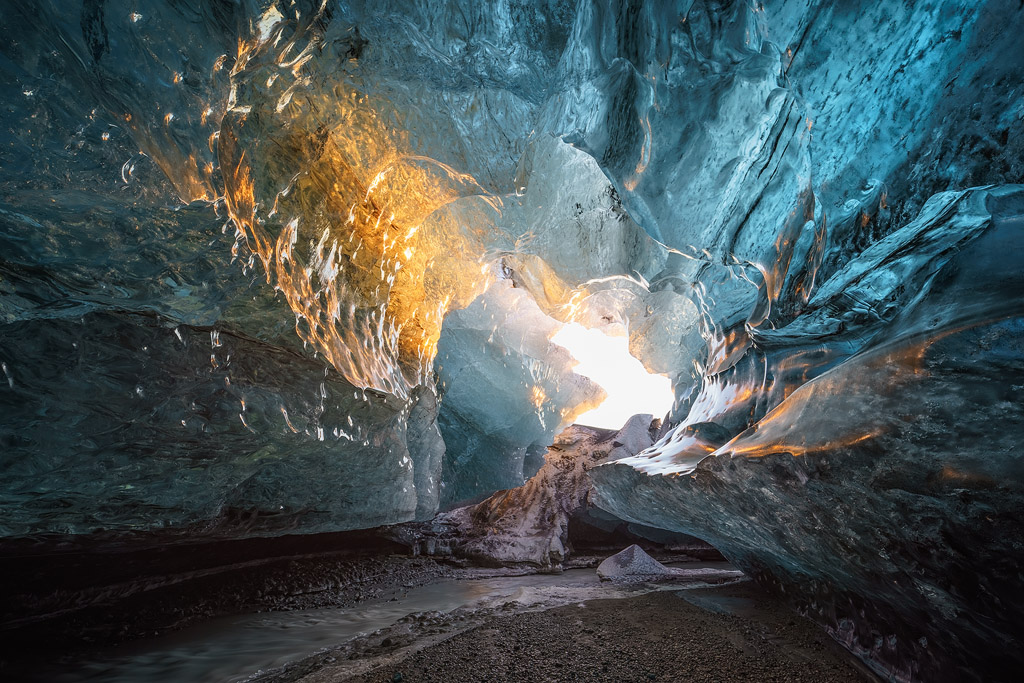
[{"x": 66, "y": 597}]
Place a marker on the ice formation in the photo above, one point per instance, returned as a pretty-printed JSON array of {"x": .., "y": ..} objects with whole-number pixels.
[{"x": 297, "y": 266}]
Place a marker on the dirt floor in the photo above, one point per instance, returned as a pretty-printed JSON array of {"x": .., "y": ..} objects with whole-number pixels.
[{"x": 727, "y": 633}]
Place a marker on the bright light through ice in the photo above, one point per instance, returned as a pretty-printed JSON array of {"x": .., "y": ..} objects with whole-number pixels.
[{"x": 606, "y": 360}]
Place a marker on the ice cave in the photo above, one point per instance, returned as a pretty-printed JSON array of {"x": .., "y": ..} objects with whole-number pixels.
[{"x": 350, "y": 340}]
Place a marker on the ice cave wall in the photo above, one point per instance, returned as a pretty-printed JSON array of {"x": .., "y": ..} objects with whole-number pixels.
[
  {"x": 882, "y": 493},
  {"x": 380, "y": 171},
  {"x": 153, "y": 379}
]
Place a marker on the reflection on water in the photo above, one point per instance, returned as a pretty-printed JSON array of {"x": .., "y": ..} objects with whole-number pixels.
[{"x": 233, "y": 648}]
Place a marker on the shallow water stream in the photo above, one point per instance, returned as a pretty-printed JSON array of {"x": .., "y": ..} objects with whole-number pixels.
[{"x": 234, "y": 648}]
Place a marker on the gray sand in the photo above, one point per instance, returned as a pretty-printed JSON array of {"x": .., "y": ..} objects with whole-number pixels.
[{"x": 738, "y": 633}]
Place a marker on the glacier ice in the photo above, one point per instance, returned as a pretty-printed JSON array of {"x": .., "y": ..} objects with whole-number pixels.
[
  {"x": 880, "y": 490},
  {"x": 274, "y": 267},
  {"x": 486, "y": 430},
  {"x": 112, "y": 422}
]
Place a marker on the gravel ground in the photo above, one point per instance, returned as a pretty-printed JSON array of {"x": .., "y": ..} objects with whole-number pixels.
[{"x": 739, "y": 633}]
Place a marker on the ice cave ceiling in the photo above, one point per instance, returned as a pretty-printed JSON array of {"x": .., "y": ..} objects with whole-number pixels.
[{"x": 297, "y": 266}]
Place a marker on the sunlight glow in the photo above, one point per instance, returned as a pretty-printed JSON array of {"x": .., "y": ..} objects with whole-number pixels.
[{"x": 606, "y": 360}]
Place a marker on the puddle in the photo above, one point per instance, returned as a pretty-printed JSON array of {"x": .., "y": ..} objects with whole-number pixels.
[{"x": 740, "y": 607}]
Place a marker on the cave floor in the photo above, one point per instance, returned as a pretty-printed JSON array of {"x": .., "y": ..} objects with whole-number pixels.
[{"x": 734, "y": 632}]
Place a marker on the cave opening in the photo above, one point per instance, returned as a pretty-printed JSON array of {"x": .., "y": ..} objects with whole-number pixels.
[{"x": 630, "y": 388}]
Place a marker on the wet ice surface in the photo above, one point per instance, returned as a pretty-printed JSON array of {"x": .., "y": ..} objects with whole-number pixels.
[{"x": 234, "y": 648}]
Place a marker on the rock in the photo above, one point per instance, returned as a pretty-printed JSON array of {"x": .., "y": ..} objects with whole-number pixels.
[
  {"x": 530, "y": 524},
  {"x": 632, "y": 564}
]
